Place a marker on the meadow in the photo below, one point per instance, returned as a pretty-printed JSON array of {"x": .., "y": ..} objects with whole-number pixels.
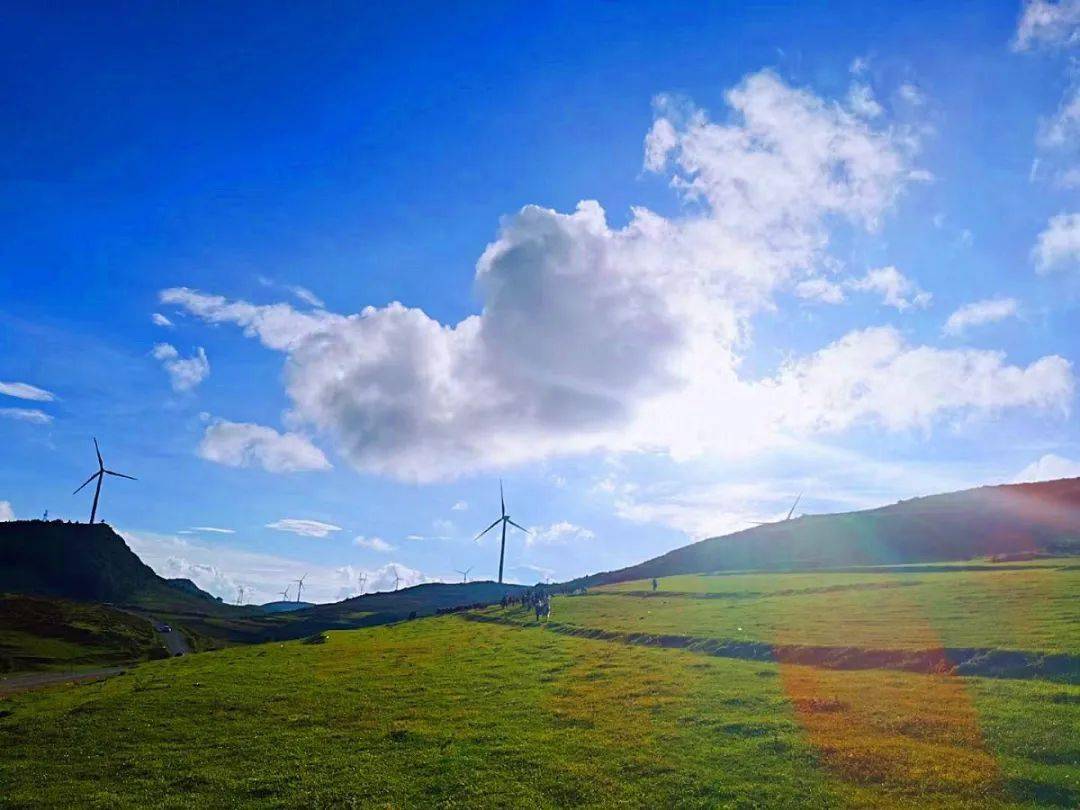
[{"x": 495, "y": 709}]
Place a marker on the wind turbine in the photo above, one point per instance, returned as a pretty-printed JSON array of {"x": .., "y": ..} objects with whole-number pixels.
[
  {"x": 285, "y": 594},
  {"x": 791, "y": 511},
  {"x": 503, "y": 520},
  {"x": 397, "y": 579},
  {"x": 300, "y": 587},
  {"x": 363, "y": 579},
  {"x": 465, "y": 573},
  {"x": 100, "y": 476},
  {"x": 240, "y": 591}
]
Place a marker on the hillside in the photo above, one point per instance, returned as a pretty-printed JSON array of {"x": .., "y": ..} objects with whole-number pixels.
[
  {"x": 919, "y": 686},
  {"x": 90, "y": 563},
  {"x": 43, "y": 633},
  {"x": 1010, "y": 520}
]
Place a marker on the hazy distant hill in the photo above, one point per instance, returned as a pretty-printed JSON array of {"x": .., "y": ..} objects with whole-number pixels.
[
  {"x": 1001, "y": 520},
  {"x": 282, "y": 606},
  {"x": 88, "y": 563}
]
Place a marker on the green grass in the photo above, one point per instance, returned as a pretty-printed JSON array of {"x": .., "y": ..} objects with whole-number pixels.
[
  {"x": 42, "y": 634},
  {"x": 452, "y": 712},
  {"x": 1034, "y": 608}
]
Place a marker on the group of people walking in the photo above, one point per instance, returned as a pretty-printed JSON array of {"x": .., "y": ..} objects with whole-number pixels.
[{"x": 537, "y": 598}]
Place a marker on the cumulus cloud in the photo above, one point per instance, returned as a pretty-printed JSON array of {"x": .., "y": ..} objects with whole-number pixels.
[
  {"x": 1048, "y": 24},
  {"x": 6, "y": 512},
  {"x": 654, "y": 302},
  {"x": 1059, "y": 243},
  {"x": 874, "y": 376},
  {"x": 862, "y": 102},
  {"x": 372, "y": 543},
  {"x": 896, "y": 289},
  {"x": 184, "y": 372},
  {"x": 1049, "y": 467},
  {"x": 160, "y": 320},
  {"x": 31, "y": 415},
  {"x": 21, "y": 390},
  {"x": 460, "y": 506},
  {"x": 558, "y": 534},
  {"x": 242, "y": 444},
  {"x": 978, "y": 313},
  {"x": 624, "y": 338},
  {"x": 306, "y": 528}
]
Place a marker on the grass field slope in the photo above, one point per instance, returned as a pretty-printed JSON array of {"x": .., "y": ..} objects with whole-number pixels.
[
  {"x": 1014, "y": 520},
  {"x": 700, "y": 695}
]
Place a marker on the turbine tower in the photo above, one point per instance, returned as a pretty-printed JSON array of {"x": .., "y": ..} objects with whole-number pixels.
[
  {"x": 503, "y": 520},
  {"x": 465, "y": 573},
  {"x": 791, "y": 511},
  {"x": 397, "y": 579},
  {"x": 100, "y": 476},
  {"x": 299, "y": 587},
  {"x": 362, "y": 579},
  {"x": 240, "y": 594}
]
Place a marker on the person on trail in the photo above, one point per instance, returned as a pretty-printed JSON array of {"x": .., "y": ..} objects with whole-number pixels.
[{"x": 655, "y": 584}]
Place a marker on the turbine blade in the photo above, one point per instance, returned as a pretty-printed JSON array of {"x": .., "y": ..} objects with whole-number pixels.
[
  {"x": 121, "y": 475},
  {"x": 792, "y": 510},
  {"x": 488, "y": 529},
  {"x": 87, "y": 481},
  {"x": 98, "y": 451},
  {"x": 502, "y": 498},
  {"x": 508, "y": 520}
]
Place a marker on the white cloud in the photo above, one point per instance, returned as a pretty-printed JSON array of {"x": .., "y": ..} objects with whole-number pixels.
[
  {"x": 184, "y": 372},
  {"x": 219, "y": 568},
  {"x": 1058, "y": 244},
  {"x": 212, "y": 530},
  {"x": 912, "y": 94},
  {"x": 21, "y": 390},
  {"x": 874, "y": 376},
  {"x": 306, "y": 528},
  {"x": 820, "y": 289},
  {"x": 302, "y": 293},
  {"x": 241, "y": 444},
  {"x": 862, "y": 102},
  {"x": 1063, "y": 128},
  {"x": 599, "y": 338},
  {"x": 373, "y": 543},
  {"x": 31, "y": 415},
  {"x": 1044, "y": 23},
  {"x": 558, "y": 534},
  {"x": 1049, "y": 467},
  {"x": 161, "y": 320},
  {"x": 585, "y": 327},
  {"x": 6, "y": 512},
  {"x": 977, "y": 313},
  {"x": 896, "y": 289},
  {"x": 460, "y": 506}
]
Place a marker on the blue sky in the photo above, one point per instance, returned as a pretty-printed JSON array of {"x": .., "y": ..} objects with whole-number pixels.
[{"x": 824, "y": 248}]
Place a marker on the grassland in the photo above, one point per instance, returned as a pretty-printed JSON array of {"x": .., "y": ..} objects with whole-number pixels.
[
  {"x": 494, "y": 709},
  {"x": 38, "y": 634}
]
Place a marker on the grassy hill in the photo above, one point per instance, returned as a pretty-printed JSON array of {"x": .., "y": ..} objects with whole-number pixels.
[
  {"x": 699, "y": 696},
  {"x": 1016, "y": 520},
  {"x": 39, "y": 633}
]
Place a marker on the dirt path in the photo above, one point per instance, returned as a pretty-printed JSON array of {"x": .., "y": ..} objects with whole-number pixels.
[{"x": 34, "y": 680}]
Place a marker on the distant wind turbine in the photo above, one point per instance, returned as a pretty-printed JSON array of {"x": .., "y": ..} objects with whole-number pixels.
[
  {"x": 240, "y": 591},
  {"x": 363, "y": 579},
  {"x": 285, "y": 594},
  {"x": 791, "y": 511},
  {"x": 100, "y": 476},
  {"x": 300, "y": 587},
  {"x": 465, "y": 573},
  {"x": 397, "y": 579},
  {"x": 503, "y": 520}
]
